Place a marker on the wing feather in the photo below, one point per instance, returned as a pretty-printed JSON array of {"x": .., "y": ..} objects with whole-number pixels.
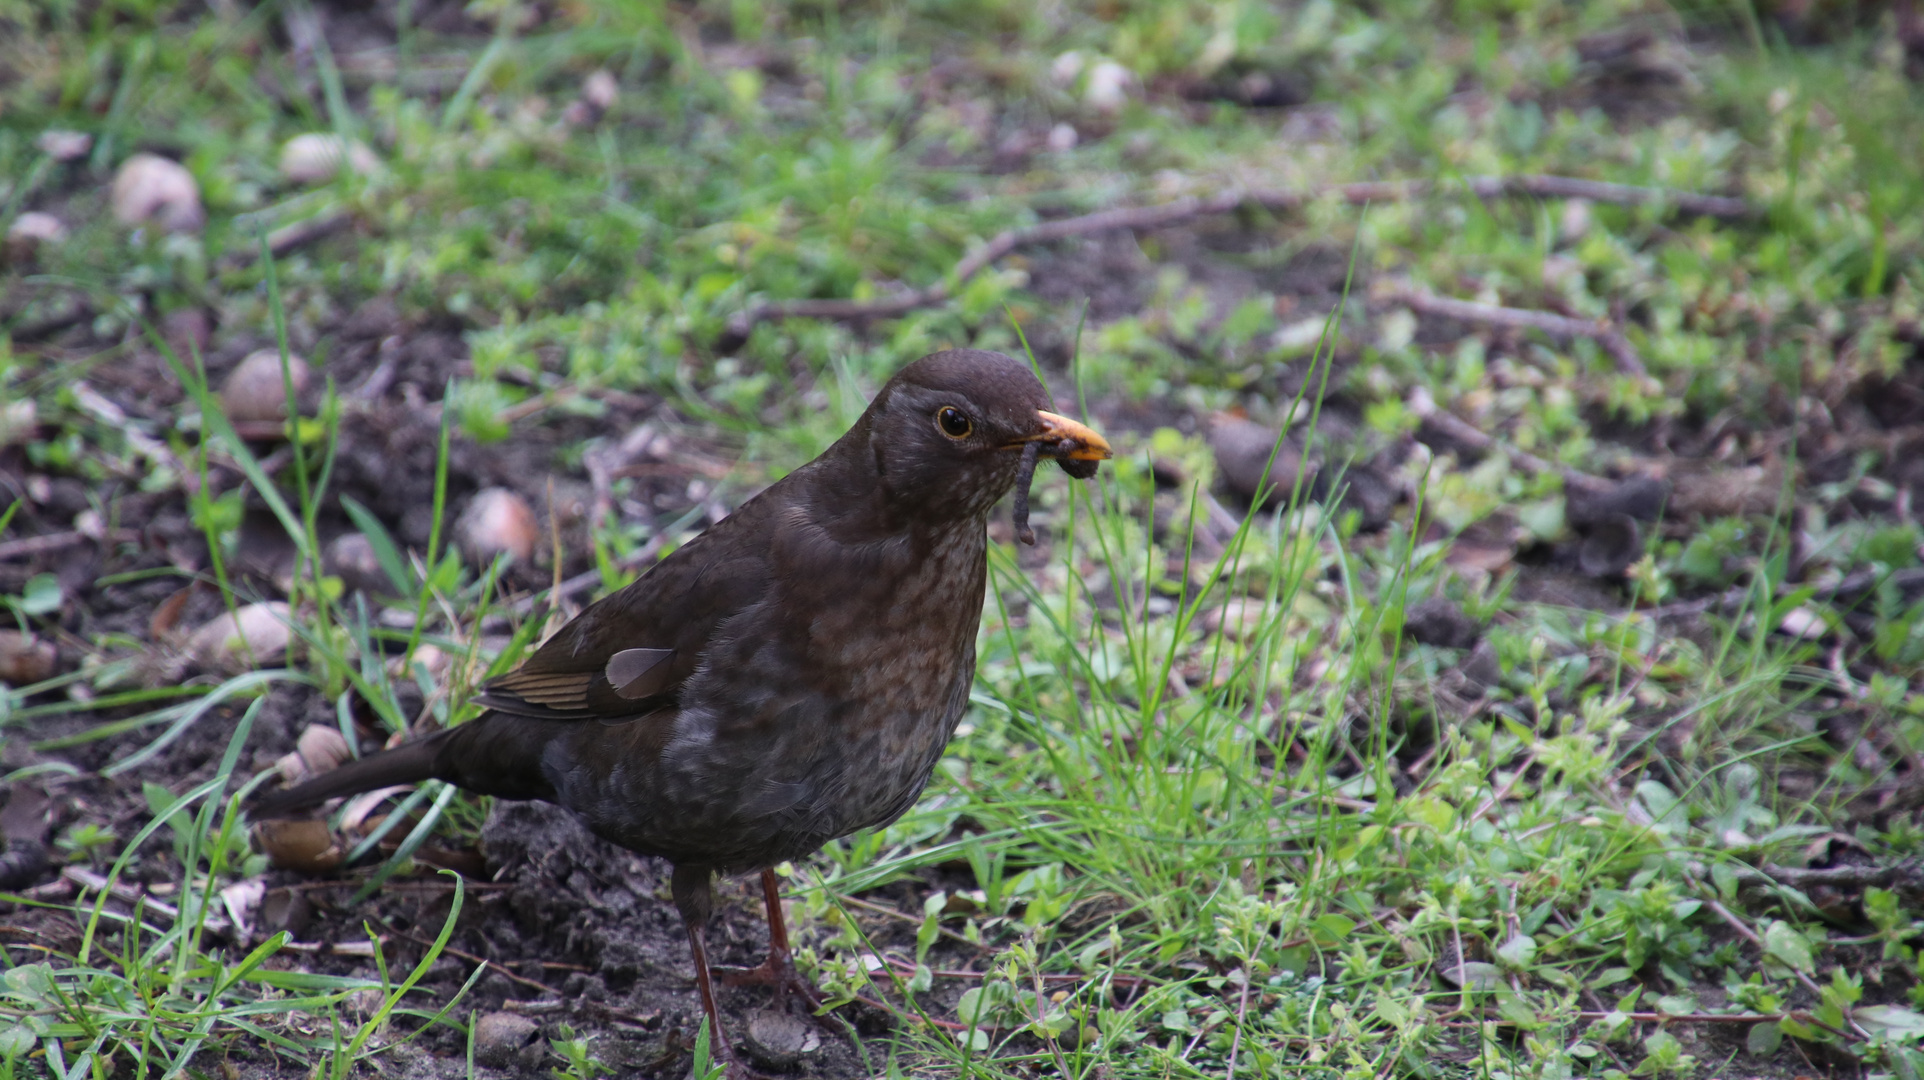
[{"x": 629, "y": 653}]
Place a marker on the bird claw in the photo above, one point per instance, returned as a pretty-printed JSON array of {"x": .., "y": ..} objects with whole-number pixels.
[{"x": 780, "y": 973}]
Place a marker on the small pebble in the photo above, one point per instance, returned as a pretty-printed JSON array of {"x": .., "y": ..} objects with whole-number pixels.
[
  {"x": 1803, "y": 622},
  {"x": 1250, "y": 461},
  {"x": 600, "y": 90},
  {"x": 151, "y": 188},
  {"x": 255, "y": 392},
  {"x": 495, "y": 521},
  {"x": 777, "y": 1039},
  {"x": 429, "y": 658},
  {"x": 255, "y": 634},
  {"x": 323, "y": 748},
  {"x": 1108, "y": 86},
  {"x": 1066, "y": 67},
  {"x": 186, "y": 331},
  {"x": 292, "y": 768},
  {"x": 283, "y": 909},
  {"x": 500, "y": 1037},
  {"x": 307, "y": 846},
  {"x": 30, "y": 232},
  {"x": 317, "y": 157},
  {"x": 24, "y": 659},
  {"x": 63, "y": 146},
  {"x": 1574, "y": 223}
]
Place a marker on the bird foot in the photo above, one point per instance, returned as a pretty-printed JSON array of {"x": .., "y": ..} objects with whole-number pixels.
[{"x": 779, "y": 972}]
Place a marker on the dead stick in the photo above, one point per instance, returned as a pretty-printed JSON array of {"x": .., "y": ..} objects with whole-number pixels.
[
  {"x": 28, "y": 546},
  {"x": 1562, "y": 327},
  {"x": 1686, "y": 1018},
  {"x": 291, "y": 237},
  {"x": 1744, "y": 931},
  {"x": 1733, "y": 598},
  {"x": 1464, "y": 433},
  {"x": 1803, "y": 877}
]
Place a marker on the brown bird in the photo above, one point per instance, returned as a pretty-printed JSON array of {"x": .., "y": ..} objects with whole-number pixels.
[{"x": 789, "y": 676}]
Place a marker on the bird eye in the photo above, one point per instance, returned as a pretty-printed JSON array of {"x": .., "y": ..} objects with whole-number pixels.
[{"x": 953, "y": 422}]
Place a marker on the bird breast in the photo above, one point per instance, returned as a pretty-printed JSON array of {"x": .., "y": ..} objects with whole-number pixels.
[{"x": 822, "y": 709}]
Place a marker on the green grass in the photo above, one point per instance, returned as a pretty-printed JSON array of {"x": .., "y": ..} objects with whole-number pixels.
[{"x": 1220, "y": 815}]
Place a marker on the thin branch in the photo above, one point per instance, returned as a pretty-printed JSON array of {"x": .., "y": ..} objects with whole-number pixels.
[
  {"x": 1908, "y": 875},
  {"x": 1463, "y": 433},
  {"x": 1561, "y": 327},
  {"x": 1743, "y": 930},
  {"x": 1569, "y": 187},
  {"x": 1850, "y": 585},
  {"x": 138, "y": 899},
  {"x": 1687, "y": 1018},
  {"x": 28, "y": 546},
  {"x": 1166, "y": 214},
  {"x": 291, "y": 237}
]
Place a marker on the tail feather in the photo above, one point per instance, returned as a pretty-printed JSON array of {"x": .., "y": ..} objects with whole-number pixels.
[
  {"x": 406, "y": 764},
  {"x": 493, "y": 754}
]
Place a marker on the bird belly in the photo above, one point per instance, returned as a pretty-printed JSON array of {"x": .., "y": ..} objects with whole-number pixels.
[
  {"x": 784, "y": 741},
  {"x": 742, "y": 798}
]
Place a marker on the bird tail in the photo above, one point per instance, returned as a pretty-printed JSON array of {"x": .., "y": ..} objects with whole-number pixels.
[
  {"x": 493, "y": 754},
  {"x": 408, "y": 763}
]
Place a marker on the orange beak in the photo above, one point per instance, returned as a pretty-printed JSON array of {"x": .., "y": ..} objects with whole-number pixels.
[{"x": 1089, "y": 446}]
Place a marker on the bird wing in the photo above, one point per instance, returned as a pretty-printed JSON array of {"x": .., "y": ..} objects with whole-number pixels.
[{"x": 629, "y": 653}]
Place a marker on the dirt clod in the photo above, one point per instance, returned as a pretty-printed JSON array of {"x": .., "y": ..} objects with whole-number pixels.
[
  {"x": 1639, "y": 497},
  {"x": 1244, "y": 457},
  {"x": 1481, "y": 669},
  {"x": 1442, "y": 622},
  {"x": 1613, "y": 544}
]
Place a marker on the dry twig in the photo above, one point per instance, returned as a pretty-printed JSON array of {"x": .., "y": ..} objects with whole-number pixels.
[
  {"x": 1464, "y": 433},
  {"x": 1908, "y": 875},
  {"x": 291, "y": 237},
  {"x": 1561, "y": 327},
  {"x": 1850, "y": 585}
]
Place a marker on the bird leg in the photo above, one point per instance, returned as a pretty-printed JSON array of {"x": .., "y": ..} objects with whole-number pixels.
[
  {"x": 778, "y": 970},
  {"x": 1024, "y": 476},
  {"x": 695, "y": 898}
]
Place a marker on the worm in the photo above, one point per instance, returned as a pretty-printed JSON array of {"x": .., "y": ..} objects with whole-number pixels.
[{"x": 1024, "y": 475}]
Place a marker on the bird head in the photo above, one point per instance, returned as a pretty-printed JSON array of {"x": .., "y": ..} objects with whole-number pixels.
[{"x": 946, "y": 435}]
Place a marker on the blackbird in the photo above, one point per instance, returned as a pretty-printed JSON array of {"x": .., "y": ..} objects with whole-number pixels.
[{"x": 787, "y": 677}]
